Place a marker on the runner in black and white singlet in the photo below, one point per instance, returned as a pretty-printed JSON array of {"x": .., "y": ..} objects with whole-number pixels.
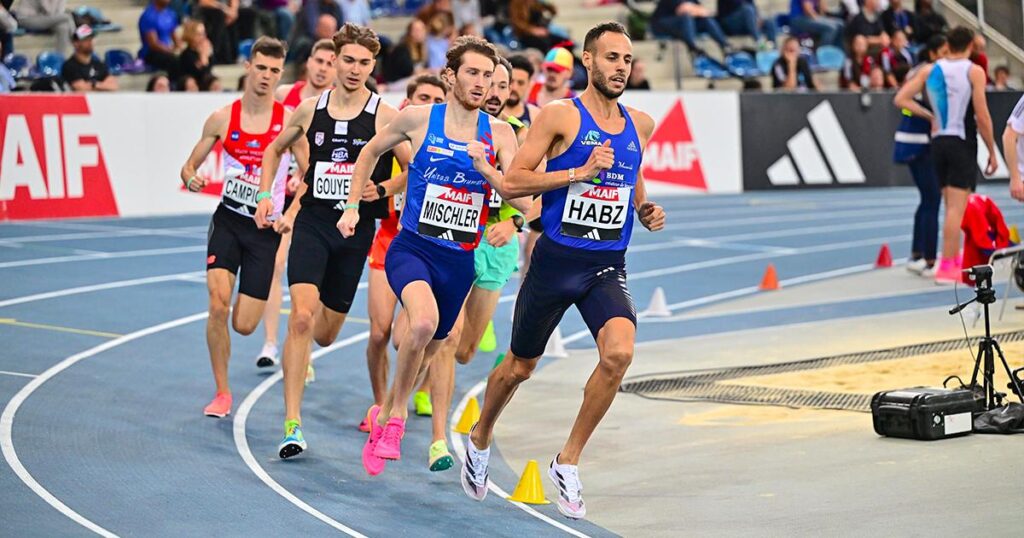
[
  {"x": 245, "y": 128},
  {"x": 956, "y": 94},
  {"x": 430, "y": 263},
  {"x": 592, "y": 187},
  {"x": 324, "y": 267}
]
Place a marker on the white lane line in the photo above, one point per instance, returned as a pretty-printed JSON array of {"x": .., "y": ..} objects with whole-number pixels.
[
  {"x": 242, "y": 441},
  {"x": 460, "y": 451},
  {"x": 97, "y": 287},
  {"x": 7, "y": 419},
  {"x": 17, "y": 374},
  {"x": 179, "y": 232},
  {"x": 771, "y": 219},
  {"x": 707, "y": 243},
  {"x": 104, "y": 256}
]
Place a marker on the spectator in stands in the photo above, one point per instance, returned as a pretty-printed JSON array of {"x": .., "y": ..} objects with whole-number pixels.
[
  {"x": 467, "y": 14},
  {"x": 558, "y": 67},
  {"x": 440, "y": 32},
  {"x": 927, "y": 22},
  {"x": 1002, "y": 81},
  {"x": 902, "y": 54},
  {"x": 531, "y": 23},
  {"x": 638, "y": 76},
  {"x": 311, "y": 24},
  {"x": 220, "y": 17},
  {"x": 980, "y": 57},
  {"x": 791, "y": 71},
  {"x": 427, "y": 12},
  {"x": 520, "y": 82},
  {"x": 876, "y": 77},
  {"x": 856, "y": 71},
  {"x": 211, "y": 84},
  {"x": 898, "y": 19},
  {"x": 156, "y": 28},
  {"x": 83, "y": 71},
  {"x": 740, "y": 18},
  {"x": 280, "y": 12},
  {"x": 809, "y": 17},
  {"x": 194, "y": 61},
  {"x": 326, "y": 26},
  {"x": 868, "y": 23},
  {"x": 356, "y": 11},
  {"x": 683, "y": 20},
  {"x": 188, "y": 84},
  {"x": 409, "y": 56},
  {"x": 158, "y": 83},
  {"x": 47, "y": 16},
  {"x": 8, "y": 24}
]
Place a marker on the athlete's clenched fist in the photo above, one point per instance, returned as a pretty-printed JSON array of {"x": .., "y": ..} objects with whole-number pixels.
[
  {"x": 480, "y": 153},
  {"x": 652, "y": 216},
  {"x": 602, "y": 158}
]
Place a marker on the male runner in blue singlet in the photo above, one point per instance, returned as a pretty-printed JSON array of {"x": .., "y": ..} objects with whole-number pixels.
[
  {"x": 430, "y": 263},
  {"x": 592, "y": 187}
]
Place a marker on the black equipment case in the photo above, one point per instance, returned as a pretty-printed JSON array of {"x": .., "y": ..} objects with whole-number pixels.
[{"x": 923, "y": 413}]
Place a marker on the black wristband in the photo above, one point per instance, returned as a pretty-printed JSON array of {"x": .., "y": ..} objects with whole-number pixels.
[{"x": 381, "y": 191}]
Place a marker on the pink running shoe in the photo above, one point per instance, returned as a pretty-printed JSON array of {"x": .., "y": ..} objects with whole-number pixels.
[
  {"x": 948, "y": 272},
  {"x": 373, "y": 464},
  {"x": 220, "y": 407},
  {"x": 390, "y": 445},
  {"x": 364, "y": 426}
]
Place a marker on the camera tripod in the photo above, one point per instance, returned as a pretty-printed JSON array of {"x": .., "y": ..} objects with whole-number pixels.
[{"x": 988, "y": 346}]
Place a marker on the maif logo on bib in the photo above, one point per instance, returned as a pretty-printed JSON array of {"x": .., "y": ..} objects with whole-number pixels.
[
  {"x": 595, "y": 212},
  {"x": 332, "y": 181},
  {"x": 451, "y": 213}
]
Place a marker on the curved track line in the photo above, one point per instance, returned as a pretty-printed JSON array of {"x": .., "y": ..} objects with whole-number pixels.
[
  {"x": 98, "y": 287},
  {"x": 460, "y": 451},
  {"x": 7, "y": 419},
  {"x": 242, "y": 442}
]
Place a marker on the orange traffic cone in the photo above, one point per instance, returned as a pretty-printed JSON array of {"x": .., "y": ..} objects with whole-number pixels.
[
  {"x": 770, "y": 282},
  {"x": 469, "y": 417},
  {"x": 884, "y": 257},
  {"x": 529, "y": 490}
]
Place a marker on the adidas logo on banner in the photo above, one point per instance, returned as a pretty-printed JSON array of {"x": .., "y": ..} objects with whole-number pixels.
[
  {"x": 810, "y": 151},
  {"x": 447, "y": 236}
]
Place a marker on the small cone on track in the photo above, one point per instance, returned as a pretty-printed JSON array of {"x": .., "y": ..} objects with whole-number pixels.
[
  {"x": 1014, "y": 234},
  {"x": 555, "y": 347},
  {"x": 529, "y": 490},
  {"x": 470, "y": 415},
  {"x": 770, "y": 282},
  {"x": 498, "y": 360},
  {"x": 884, "y": 257},
  {"x": 658, "y": 307}
]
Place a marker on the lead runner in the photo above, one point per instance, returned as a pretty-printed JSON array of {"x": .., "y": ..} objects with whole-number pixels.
[{"x": 591, "y": 190}]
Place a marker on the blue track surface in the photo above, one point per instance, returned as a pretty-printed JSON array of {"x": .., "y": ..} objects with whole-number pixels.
[{"x": 118, "y": 437}]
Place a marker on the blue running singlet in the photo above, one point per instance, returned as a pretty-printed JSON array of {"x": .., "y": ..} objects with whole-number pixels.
[
  {"x": 597, "y": 214},
  {"x": 446, "y": 197}
]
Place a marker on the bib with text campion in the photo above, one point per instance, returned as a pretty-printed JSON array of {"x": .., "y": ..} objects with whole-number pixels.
[
  {"x": 597, "y": 214},
  {"x": 243, "y": 157},
  {"x": 334, "y": 146},
  {"x": 446, "y": 199}
]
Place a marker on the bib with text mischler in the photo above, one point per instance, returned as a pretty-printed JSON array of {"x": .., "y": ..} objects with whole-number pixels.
[
  {"x": 332, "y": 181},
  {"x": 451, "y": 213},
  {"x": 595, "y": 212}
]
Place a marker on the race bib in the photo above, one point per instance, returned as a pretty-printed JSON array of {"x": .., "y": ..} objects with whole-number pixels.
[
  {"x": 332, "y": 181},
  {"x": 451, "y": 213},
  {"x": 595, "y": 212},
  {"x": 398, "y": 199},
  {"x": 494, "y": 202},
  {"x": 241, "y": 191}
]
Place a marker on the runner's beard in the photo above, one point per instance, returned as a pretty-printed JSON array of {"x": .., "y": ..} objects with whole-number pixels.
[
  {"x": 496, "y": 102},
  {"x": 513, "y": 99},
  {"x": 600, "y": 83}
]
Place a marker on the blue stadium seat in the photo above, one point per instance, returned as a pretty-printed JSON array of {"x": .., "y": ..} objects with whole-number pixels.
[
  {"x": 765, "y": 60},
  {"x": 742, "y": 64},
  {"x": 49, "y": 63},
  {"x": 121, "y": 61},
  {"x": 708, "y": 68},
  {"x": 18, "y": 64},
  {"x": 830, "y": 58},
  {"x": 245, "y": 49}
]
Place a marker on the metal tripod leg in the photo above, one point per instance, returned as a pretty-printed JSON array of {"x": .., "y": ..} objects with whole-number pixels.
[
  {"x": 1009, "y": 373},
  {"x": 1009, "y": 283}
]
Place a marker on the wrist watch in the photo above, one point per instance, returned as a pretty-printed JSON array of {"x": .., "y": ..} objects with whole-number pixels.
[
  {"x": 381, "y": 191},
  {"x": 518, "y": 221}
]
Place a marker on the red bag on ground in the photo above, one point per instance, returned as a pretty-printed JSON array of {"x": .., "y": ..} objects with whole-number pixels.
[{"x": 984, "y": 232}]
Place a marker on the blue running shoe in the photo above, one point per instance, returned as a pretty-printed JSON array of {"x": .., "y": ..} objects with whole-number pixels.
[{"x": 293, "y": 443}]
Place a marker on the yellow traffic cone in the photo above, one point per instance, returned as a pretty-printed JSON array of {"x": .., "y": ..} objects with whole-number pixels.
[
  {"x": 470, "y": 415},
  {"x": 1014, "y": 234},
  {"x": 529, "y": 490}
]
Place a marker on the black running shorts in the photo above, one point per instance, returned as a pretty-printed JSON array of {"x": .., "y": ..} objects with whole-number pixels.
[
  {"x": 562, "y": 276},
  {"x": 956, "y": 162},
  {"x": 320, "y": 256},
  {"x": 234, "y": 242}
]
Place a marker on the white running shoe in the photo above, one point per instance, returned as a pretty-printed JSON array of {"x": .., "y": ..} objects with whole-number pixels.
[
  {"x": 570, "y": 490},
  {"x": 267, "y": 357},
  {"x": 917, "y": 266},
  {"x": 474, "y": 471}
]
